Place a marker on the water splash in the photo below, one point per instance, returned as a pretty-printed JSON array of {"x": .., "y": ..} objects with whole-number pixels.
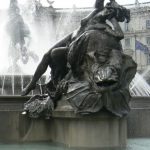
[
  {"x": 139, "y": 86},
  {"x": 38, "y": 44},
  {"x": 3, "y": 84}
]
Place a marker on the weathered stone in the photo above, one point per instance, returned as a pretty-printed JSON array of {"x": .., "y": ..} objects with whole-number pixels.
[
  {"x": 98, "y": 130},
  {"x": 92, "y": 131}
]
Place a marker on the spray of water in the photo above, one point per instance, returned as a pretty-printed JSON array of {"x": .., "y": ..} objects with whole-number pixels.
[
  {"x": 139, "y": 86},
  {"x": 42, "y": 37}
]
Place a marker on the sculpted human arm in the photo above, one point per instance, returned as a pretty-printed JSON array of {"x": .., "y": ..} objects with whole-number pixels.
[
  {"x": 117, "y": 32},
  {"x": 88, "y": 17}
]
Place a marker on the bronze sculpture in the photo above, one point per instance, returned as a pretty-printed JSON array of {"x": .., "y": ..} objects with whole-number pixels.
[{"x": 88, "y": 67}]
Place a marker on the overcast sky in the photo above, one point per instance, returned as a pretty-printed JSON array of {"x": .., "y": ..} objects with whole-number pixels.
[
  {"x": 69, "y": 3},
  {"x": 88, "y": 3}
]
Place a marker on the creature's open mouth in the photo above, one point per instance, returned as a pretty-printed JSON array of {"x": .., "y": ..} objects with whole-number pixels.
[{"x": 106, "y": 83}]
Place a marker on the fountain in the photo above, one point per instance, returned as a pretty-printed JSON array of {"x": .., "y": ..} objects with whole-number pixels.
[
  {"x": 19, "y": 74},
  {"x": 89, "y": 86},
  {"x": 20, "y": 29},
  {"x": 139, "y": 86},
  {"x": 21, "y": 71}
]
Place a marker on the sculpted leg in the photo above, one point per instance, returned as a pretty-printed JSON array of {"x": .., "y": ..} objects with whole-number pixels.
[
  {"x": 42, "y": 67},
  {"x": 56, "y": 59},
  {"x": 46, "y": 61}
]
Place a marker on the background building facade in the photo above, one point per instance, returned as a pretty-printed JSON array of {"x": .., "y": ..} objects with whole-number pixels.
[
  {"x": 63, "y": 21},
  {"x": 137, "y": 32}
]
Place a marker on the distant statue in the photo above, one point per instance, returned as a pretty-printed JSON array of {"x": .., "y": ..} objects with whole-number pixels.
[
  {"x": 50, "y": 3},
  {"x": 19, "y": 34},
  {"x": 88, "y": 67},
  {"x": 38, "y": 4}
]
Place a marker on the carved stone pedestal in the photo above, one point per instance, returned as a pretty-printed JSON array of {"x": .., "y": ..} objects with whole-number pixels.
[{"x": 92, "y": 131}]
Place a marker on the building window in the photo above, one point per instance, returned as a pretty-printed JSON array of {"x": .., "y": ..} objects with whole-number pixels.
[
  {"x": 147, "y": 24},
  {"x": 126, "y": 26},
  {"x": 148, "y": 40},
  {"x": 127, "y": 43}
]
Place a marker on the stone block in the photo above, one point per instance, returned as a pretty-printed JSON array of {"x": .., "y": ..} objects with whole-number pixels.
[
  {"x": 92, "y": 131},
  {"x": 98, "y": 130}
]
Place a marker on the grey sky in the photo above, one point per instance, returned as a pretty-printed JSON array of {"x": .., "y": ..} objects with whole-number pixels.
[
  {"x": 69, "y": 3},
  {"x": 86, "y": 3}
]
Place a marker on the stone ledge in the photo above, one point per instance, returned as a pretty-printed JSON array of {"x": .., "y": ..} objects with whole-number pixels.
[
  {"x": 140, "y": 103},
  {"x": 66, "y": 127}
]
